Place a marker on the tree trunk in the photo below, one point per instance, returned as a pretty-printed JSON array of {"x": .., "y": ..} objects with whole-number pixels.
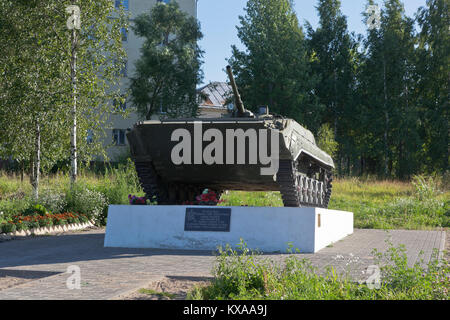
[
  {"x": 31, "y": 168},
  {"x": 386, "y": 123},
  {"x": 362, "y": 165},
  {"x": 73, "y": 136},
  {"x": 37, "y": 161},
  {"x": 22, "y": 170},
  {"x": 335, "y": 104}
]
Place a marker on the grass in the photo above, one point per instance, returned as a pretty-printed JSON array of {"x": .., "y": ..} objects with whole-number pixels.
[
  {"x": 244, "y": 275},
  {"x": 375, "y": 204},
  {"x": 420, "y": 204},
  {"x": 114, "y": 185}
]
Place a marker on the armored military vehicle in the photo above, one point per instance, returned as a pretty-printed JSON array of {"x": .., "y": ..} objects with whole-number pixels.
[{"x": 304, "y": 172}]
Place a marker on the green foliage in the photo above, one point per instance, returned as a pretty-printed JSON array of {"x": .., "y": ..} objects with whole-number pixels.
[
  {"x": 406, "y": 213},
  {"x": 119, "y": 182},
  {"x": 8, "y": 227},
  {"x": 384, "y": 94},
  {"x": 252, "y": 199},
  {"x": 36, "y": 210},
  {"x": 45, "y": 222},
  {"x": 169, "y": 67},
  {"x": 236, "y": 274},
  {"x": 243, "y": 274},
  {"x": 445, "y": 181},
  {"x": 36, "y": 89},
  {"x": 390, "y": 126},
  {"x": 326, "y": 140},
  {"x": 156, "y": 293},
  {"x": 433, "y": 64},
  {"x": 426, "y": 187},
  {"x": 274, "y": 70},
  {"x": 334, "y": 59},
  {"x": 15, "y": 206},
  {"x": 53, "y": 200},
  {"x": 80, "y": 199},
  {"x": 375, "y": 204},
  {"x": 418, "y": 282}
]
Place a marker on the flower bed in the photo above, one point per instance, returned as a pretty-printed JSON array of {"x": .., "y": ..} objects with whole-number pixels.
[
  {"x": 137, "y": 200},
  {"x": 207, "y": 198},
  {"x": 31, "y": 222}
]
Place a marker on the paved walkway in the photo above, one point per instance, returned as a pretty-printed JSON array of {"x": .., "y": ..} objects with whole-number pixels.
[{"x": 109, "y": 272}]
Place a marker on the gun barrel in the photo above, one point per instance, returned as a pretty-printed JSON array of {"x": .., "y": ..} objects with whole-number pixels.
[{"x": 237, "y": 96}]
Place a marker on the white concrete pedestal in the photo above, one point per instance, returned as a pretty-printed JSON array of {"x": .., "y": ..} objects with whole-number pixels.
[{"x": 263, "y": 228}]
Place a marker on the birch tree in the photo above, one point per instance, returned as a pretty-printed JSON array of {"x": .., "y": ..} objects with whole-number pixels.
[{"x": 37, "y": 91}]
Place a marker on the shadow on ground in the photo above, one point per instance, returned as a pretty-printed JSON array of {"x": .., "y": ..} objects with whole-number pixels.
[
  {"x": 70, "y": 248},
  {"x": 26, "y": 274}
]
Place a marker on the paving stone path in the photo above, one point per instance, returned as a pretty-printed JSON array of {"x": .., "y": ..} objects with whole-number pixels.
[{"x": 109, "y": 272}]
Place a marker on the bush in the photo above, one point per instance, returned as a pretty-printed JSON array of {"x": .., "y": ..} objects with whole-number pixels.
[
  {"x": 59, "y": 222},
  {"x": 8, "y": 227},
  {"x": 22, "y": 225},
  {"x": 54, "y": 201},
  {"x": 83, "y": 218},
  {"x": 326, "y": 140},
  {"x": 244, "y": 276},
  {"x": 92, "y": 203},
  {"x": 36, "y": 210},
  {"x": 419, "y": 282},
  {"x": 46, "y": 221},
  {"x": 12, "y": 207},
  {"x": 425, "y": 187},
  {"x": 119, "y": 182},
  {"x": 34, "y": 224}
]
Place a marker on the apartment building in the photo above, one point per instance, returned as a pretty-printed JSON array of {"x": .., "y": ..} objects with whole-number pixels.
[{"x": 132, "y": 45}]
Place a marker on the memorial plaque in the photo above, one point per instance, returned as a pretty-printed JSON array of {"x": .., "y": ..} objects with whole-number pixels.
[{"x": 207, "y": 219}]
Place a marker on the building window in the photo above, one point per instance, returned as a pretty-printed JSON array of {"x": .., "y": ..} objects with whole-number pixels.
[
  {"x": 164, "y": 1},
  {"x": 119, "y": 137},
  {"x": 124, "y": 3},
  {"x": 124, "y": 34}
]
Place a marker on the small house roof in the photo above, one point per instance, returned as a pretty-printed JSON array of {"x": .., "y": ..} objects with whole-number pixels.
[{"x": 216, "y": 94}]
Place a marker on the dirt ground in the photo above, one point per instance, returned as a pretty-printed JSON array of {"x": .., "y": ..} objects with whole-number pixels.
[{"x": 170, "y": 288}]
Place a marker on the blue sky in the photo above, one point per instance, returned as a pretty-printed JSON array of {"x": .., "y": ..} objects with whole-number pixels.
[{"x": 219, "y": 19}]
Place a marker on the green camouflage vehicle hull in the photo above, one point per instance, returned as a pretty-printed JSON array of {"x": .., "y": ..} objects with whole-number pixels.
[{"x": 303, "y": 176}]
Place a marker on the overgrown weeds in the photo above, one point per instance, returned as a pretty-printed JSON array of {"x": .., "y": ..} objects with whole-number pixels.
[{"x": 244, "y": 274}]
